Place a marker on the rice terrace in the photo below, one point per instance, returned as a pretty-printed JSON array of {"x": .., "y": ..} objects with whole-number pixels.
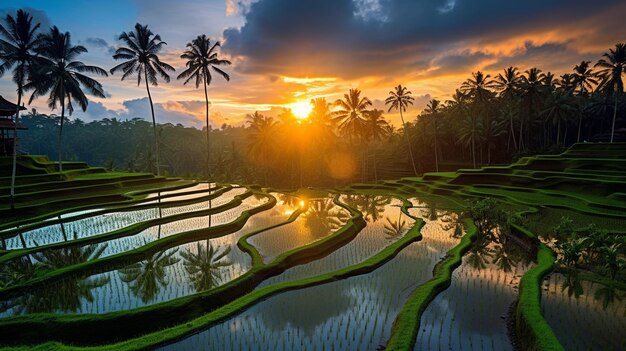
[{"x": 312, "y": 175}]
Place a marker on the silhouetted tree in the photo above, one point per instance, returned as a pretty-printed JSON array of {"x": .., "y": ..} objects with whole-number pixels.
[
  {"x": 57, "y": 74},
  {"x": 201, "y": 58},
  {"x": 142, "y": 60}
]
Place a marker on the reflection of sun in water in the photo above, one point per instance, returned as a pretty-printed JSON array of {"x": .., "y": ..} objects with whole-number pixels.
[{"x": 300, "y": 109}]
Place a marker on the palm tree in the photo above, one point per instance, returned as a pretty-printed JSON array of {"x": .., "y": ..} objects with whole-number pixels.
[
  {"x": 584, "y": 78},
  {"x": 558, "y": 109},
  {"x": 400, "y": 99},
  {"x": 262, "y": 141},
  {"x": 432, "y": 109},
  {"x": 479, "y": 89},
  {"x": 141, "y": 55},
  {"x": 350, "y": 117},
  {"x": 59, "y": 75},
  {"x": 531, "y": 94},
  {"x": 17, "y": 48},
  {"x": 201, "y": 58},
  {"x": 508, "y": 84},
  {"x": 204, "y": 264},
  {"x": 376, "y": 129},
  {"x": 610, "y": 73}
]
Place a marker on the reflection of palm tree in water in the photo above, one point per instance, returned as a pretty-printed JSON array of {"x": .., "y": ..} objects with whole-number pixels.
[
  {"x": 452, "y": 220},
  {"x": 323, "y": 217},
  {"x": 572, "y": 284},
  {"x": 288, "y": 200},
  {"x": 395, "y": 229},
  {"x": 52, "y": 259},
  {"x": 204, "y": 265},
  {"x": 147, "y": 277},
  {"x": 479, "y": 254},
  {"x": 371, "y": 206},
  {"x": 430, "y": 211},
  {"x": 65, "y": 295},
  {"x": 16, "y": 271},
  {"x": 608, "y": 294}
]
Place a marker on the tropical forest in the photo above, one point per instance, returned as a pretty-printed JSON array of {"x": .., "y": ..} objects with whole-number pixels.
[{"x": 312, "y": 175}]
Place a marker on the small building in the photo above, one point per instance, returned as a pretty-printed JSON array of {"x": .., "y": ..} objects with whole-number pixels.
[{"x": 7, "y": 111}]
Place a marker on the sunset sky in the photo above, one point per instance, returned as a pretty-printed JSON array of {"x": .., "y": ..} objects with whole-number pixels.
[{"x": 286, "y": 51}]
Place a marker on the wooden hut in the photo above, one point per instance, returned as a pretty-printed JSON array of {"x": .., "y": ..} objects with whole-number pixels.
[{"x": 7, "y": 125}]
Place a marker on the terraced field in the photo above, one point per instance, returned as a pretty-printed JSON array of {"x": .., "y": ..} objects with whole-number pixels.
[{"x": 110, "y": 261}]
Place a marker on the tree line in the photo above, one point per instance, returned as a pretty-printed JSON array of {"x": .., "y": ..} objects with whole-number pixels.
[
  {"x": 45, "y": 63},
  {"x": 487, "y": 120}
]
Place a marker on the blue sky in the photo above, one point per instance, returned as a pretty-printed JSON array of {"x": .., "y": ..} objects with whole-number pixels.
[{"x": 287, "y": 52}]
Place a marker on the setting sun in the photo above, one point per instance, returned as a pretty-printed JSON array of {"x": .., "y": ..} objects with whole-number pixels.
[{"x": 301, "y": 109}]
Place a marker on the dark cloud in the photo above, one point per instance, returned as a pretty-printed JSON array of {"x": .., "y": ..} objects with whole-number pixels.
[
  {"x": 460, "y": 62},
  {"x": 100, "y": 43},
  {"x": 349, "y": 39},
  {"x": 548, "y": 57}
]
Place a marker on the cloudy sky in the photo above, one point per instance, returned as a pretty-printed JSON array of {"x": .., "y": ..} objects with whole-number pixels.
[{"x": 286, "y": 52}]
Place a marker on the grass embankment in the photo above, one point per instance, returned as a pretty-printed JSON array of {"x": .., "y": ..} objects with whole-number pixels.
[
  {"x": 42, "y": 189},
  {"x": 407, "y": 323},
  {"x": 128, "y": 230},
  {"x": 234, "y": 307},
  {"x": 95, "y": 329},
  {"x": 146, "y": 251},
  {"x": 532, "y": 330},
  {"x": 8, "y": 231}
]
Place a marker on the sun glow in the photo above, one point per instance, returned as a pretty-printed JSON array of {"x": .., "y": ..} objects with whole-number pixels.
[{"x": 300, "y": 109}]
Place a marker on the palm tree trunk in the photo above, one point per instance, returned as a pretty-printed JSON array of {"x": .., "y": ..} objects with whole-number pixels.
[
  {"x": 521, "y": 129},
  {"x": 14, "y": 166},
  {"x": 208, "y": 147},
  {"x": 156, "y": 138},
  {"x": 436, "y": 148},
  {"x": 60, "y": 141},
  {"x": 580, "y": 123},
  {"x": 375, "y": 168},
  {"x": 614, "y": 116},
  {"x": 558, "y": 134},
  {"x": 473, "y": 145},
  {"x": 512, "y": 133},
  {"x": 408, "y": 142}
]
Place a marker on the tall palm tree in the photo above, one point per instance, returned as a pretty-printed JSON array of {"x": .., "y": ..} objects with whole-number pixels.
[
  {"x": 558, "y": 109},
  {"x": 59, "y": 75},
  {"x": 350, "y": 118},
  {"x": 479, "y": 89},
  {"x": 432, "y": 109},
  {"x": 17, "y": 49},
  {"x": 201, "y": 58},
  {"x": 508, "y": 85},
  {"x": 584, "y": 78},
  {"x": 610, "y": 73},
  {"x": 262, "y": 141},
  {"x": 400, "y": 99},
  {"x": 142, "y": 60},
  {"x": 532, "y": 82},
  {"x": 376, "y": 129}
]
